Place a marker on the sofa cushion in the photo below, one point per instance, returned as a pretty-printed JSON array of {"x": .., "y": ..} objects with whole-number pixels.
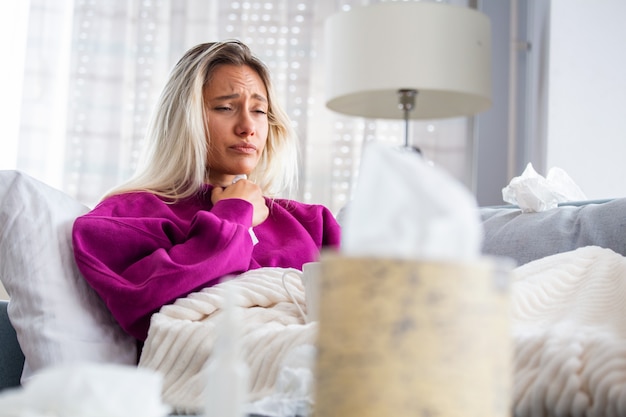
[
  {"x": 525, "y": 237},
  {"x": 58, "y": 318}
]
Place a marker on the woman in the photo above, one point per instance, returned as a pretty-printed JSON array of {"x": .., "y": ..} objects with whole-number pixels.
[{"x": 204, "y": 203}]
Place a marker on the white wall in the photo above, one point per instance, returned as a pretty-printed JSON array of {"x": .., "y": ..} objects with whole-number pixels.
[{"x": 586, "y": 133}]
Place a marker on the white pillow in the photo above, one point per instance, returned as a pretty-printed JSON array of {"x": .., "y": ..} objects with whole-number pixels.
[{"x": 58, "y": 318}]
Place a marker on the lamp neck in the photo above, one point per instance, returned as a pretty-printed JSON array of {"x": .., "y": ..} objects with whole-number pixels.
[{"x": 406, "y": 103}]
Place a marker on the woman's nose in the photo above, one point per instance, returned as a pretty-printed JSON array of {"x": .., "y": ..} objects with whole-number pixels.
[{"x": 245, "y": 124}]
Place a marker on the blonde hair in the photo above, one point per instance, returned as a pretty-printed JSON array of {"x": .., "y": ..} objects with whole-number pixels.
[{"x": 174, "y": 164}]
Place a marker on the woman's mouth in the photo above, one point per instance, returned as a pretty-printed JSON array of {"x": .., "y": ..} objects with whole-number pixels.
[{"x": 246, "y": 148}]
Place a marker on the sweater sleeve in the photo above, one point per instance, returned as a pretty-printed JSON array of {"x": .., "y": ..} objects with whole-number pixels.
[
  {"x": 139, "y": 263},
  {"x": 331, "y": 230}
]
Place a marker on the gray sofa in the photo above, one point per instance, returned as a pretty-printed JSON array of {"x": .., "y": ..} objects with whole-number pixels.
[
  {"x": 11, "y": 357},
  {"x": 508, "y": 232}
]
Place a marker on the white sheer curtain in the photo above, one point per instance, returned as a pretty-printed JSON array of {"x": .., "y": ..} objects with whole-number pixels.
[{"x": 94, "y": 68}]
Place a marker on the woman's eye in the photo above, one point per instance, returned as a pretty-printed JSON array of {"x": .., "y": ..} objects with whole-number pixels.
[
  {"x": 260, "y": 111},
  {"x": 223, "y": 108}
]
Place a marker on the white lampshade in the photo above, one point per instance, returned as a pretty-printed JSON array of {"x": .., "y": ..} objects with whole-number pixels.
[{"x": 440, "y": 50}]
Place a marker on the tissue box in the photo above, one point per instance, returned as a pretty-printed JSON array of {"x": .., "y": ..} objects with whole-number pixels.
[{"x": 406, "y": 338}]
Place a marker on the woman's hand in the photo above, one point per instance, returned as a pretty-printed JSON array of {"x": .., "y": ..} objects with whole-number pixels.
[{"x": 244, "y": 190}]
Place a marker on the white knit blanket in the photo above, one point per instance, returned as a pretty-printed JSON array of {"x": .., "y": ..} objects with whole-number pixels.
[
  {"x": 569, "y": 329},
  {"x": 182, "y": 335},
  {"x": 568, "y": 326}
]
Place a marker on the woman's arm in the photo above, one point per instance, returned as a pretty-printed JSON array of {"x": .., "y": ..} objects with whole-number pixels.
[{"x": 137, "y": 263}]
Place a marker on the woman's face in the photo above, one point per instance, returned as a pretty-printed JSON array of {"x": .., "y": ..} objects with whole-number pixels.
[{"x": 236, "y": 108}]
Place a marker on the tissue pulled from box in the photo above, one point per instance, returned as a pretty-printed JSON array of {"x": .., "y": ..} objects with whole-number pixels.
[
  {"x": 87, "y": 390},
  {"x": 533, "y": 193},
  {"x": 404, "y": 207}
]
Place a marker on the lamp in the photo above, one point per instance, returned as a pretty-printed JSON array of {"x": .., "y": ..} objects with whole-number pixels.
[{"x": 411, "y": 60}]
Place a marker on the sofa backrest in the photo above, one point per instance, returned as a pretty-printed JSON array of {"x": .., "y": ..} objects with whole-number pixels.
[{"x": 526, "y": 237}]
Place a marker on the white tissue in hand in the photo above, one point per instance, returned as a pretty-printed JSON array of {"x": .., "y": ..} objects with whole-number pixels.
[
  {"x": 532, "y": 192},
  {"x": 87, "y": 390},
  {"x": 406, "y": 208}
]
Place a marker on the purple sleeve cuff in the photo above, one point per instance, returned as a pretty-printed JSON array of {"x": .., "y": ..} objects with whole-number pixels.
[{"x": 234, "y": 210}]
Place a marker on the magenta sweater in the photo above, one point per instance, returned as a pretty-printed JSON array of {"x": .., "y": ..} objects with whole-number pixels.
[{"x": 140, "y": 253}]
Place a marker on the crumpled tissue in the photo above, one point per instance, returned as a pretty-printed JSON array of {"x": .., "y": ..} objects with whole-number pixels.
[
  {"x": 87, "y": 390},
  {"x": 533, "y": 193},
  {"x": 405, "y": 207}
]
